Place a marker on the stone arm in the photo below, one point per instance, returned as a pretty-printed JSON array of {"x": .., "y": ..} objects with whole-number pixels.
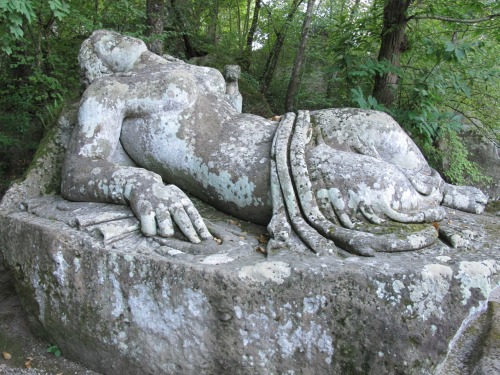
[{"x": 88, "y": 173}]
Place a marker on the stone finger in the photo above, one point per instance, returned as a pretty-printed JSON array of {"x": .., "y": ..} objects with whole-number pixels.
[
  {"x": 184, "y": 222},
  {"x": 146, "y": 216},
  {"x": 164, "y": 220},
  {"x": 421, "y": 184},
  {"x": 370, "y": 215},
  {"x": 325, "y": 206},
  {"x": 411, "y": 217},
  {"x": 173, "y": 189},
  {"x": 339, "y": 208},
  {"x": 197, "y": 221}
]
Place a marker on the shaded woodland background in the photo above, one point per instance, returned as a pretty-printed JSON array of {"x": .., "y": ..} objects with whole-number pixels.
[{"x": 433, "y": 65}]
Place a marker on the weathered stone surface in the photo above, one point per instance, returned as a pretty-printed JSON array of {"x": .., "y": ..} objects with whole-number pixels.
[
  {"x": 352, "y": 169},
  {"x": 229, "y": 309},
  {"x": 99, "y": 289},
  {"x": 476, "y": 347},
  {"x": 232, "y": 75}
]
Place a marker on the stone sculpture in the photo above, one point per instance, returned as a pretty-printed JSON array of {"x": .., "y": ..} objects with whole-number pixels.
[
  {"x": 232, "y": 75},
  {"x": 326, "y": 176}
]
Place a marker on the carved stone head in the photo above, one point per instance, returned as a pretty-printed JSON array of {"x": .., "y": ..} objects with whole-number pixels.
[
  {"x": 232, "y": 72},
  {"x": 106, "y": 52}
]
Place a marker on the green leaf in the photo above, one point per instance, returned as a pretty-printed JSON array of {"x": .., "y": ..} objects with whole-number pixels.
[
  {"x": 459, "y": 53},
  {"x": 16, "y": 31},
  {"x": 54, "y": 349},
  {"x": 372, "y": 101},
  {"x": 450, "y": 46},
  {"x": 59, "y": 8},
  {"x": 6, "y": 49}
]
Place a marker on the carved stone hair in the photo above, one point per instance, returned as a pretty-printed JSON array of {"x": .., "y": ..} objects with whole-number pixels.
[{"x": 91, "y": 66}]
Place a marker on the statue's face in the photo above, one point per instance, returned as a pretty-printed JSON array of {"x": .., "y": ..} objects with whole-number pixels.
[
  {"x": 119, "y": 52},
  {"x": 232, "y": 72}
]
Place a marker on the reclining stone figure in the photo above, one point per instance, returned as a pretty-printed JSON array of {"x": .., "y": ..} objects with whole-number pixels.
[{"x": 145, "y": 120}]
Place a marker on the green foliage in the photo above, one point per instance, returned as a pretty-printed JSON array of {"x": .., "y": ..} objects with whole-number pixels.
[
  {"x": 459, "y": 165},
  {"x": 453, "y": 156},
  {"x": 370, "y": 67},
  {"x": 59, "y": 8},
  {"x": 54, "y": 349},
  {"x": 13, "y": 13},
  {"x": 125, "y": 16},
  {"x": 253, "y": 102},
  {"x": 366, "y": 103},
  {"x": 34, "y": 76}
]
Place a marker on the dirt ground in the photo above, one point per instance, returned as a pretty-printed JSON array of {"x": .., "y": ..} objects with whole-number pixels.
[{"x": 28, "y": 354}]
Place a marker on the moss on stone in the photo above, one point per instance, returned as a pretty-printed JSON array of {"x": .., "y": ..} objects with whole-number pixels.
[
  {"x": 47, "y": 153},
  {"x": 493, "y": 207}
]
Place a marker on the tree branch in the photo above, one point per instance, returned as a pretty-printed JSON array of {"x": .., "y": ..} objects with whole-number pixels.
[
  {"x": 456, "y": 20},
  {"x": 474, "y": 122}
]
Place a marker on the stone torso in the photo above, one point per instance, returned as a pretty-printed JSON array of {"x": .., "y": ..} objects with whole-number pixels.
[{"x": 193, "y": 138}]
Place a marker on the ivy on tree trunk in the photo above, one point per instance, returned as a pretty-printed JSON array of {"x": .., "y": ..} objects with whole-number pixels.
[
  {"x": 393, "y": 42},
  {"x": 154, "y": 22}
]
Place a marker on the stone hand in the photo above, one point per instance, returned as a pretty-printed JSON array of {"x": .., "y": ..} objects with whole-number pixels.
[{"x": 158, "y": 206}]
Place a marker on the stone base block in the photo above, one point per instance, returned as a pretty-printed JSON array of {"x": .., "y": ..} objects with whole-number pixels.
[{"x": 125, "y": 304}]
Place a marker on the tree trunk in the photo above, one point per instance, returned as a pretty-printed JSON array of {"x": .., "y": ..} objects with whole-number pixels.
[
  {"x": 247, "y": 17},
  {"x": 154, "y": 23},
  {"x": 96, "y": 13},
  {"x": 272, "y": 60},
  {"x": 245, "y": 59},
  {"x": 212, "y": 27},
  {"x": 181, "y": 28},
  {"x": 293, "y": 85},
  {"x": 393, "y": 42},
  {"x": 238, "y": 23}
]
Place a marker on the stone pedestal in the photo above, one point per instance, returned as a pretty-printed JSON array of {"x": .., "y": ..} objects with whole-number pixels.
[{"x": 124, "y": 304}]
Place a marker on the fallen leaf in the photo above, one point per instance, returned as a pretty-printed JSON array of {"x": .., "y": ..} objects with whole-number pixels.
[
  {"x": 261, "y": 249},
  {"x": 234, "y": 222},
  {"x": 6, "y": 355},
  {"x": 435, "y": 224},
  {"x": 27, "y": 364},
  {"x": 263, "y": 238}
]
